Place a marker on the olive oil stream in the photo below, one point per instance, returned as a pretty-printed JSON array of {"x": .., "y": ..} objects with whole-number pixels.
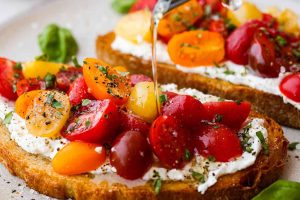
[{"x": 162, "y": 8}]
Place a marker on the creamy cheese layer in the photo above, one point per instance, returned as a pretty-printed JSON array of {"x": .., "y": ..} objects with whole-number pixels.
[
  {"x": 209, "y": 169},
  {"x": 228, "y": 71}
]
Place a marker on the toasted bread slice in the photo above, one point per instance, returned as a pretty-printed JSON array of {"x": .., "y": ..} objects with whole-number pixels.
[
  {"x": 39, "y": 175},
  {"x": 266, "y": 103}
]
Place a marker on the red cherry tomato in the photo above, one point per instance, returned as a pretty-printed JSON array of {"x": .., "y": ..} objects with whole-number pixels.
[
  {"x": 262, "y": 55},
  {"x": 218, "y": 26},
  {"x": 170, "y": 142},
  {"x": 239, "y": 42},
  {"x": 186, "y": 109},
  {"x": 79, "y": 91},
  {"x": 170, "y": 95},
  {"x": 137, "y": 78},
  {"x": 131, "y": 155},
  {"x": 143, "y": 4},
  {"x": 9, "y": 77},
  {"x": 64, "y": 78},
  {"x": 218, "y": 141},
  {"x": 130, "y": 122},
  {"x": 27, "y": 85},
  {"x": 216, "y": 5},
  {"x": 95, "y": 123},
  {"x": 290, "y": 87},
  {"x": 270, "y": 21},
  {"x": 231, "y": 114}
]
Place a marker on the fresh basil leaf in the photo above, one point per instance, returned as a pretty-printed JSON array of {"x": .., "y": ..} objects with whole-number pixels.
[
  {"x": 85, "y": 102},
  {"x": 8, "y": 118},
  {"x": 280, "y": 190},
  {"x": 57, "y": 43},
  {"x": 122, "y": 6}
]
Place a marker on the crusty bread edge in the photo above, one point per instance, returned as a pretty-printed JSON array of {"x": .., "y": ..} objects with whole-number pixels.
[{"x": 266, "y": 103}]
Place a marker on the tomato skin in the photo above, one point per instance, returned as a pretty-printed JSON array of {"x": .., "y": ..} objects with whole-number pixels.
[
  {"x": 218, "y": 141},
  {"x": 8, "y": 78},
  {"x": 131, "y": 155},
  {"x": 231, "y": 114},
  {"x": 239, "y": 42},
  {"x": 186, "y": 109},
  {"x": 170, "y": 95},
  {"x": 130, "y": 122},
  {"x": 170, "y": 141},
  {"x": 96, "y": 123},
  {"x": 218, "y": 26},
  {"x": 65, "y": 78},
  {"x": 27, "y": 85},
  {"x": 137, "y": 78},
  {"x": 143, "y": 4},
  {"x": 290, "y": 87},
  {"x": 79, "y": 91}
]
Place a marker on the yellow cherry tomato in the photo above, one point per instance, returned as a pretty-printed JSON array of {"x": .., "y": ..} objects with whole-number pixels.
[
  {"x": 40, "y": 69},
  {"x": 78, "y": 157},
  {"x": 24, "y": 101},
  {"x": 47, "y": 114},
  {"x": 142, "y": 101},
  {"x": 248, "y": 11},
  {"x": 135, "y": 27}
]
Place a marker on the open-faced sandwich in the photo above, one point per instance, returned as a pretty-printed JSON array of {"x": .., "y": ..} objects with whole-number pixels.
[
  {"x": 94, "y": 132},
  {"x": 240, "y": 55}
]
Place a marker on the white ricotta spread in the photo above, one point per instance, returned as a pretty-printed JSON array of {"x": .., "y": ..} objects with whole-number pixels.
[
  {"x": 228, "y": 71},
  {"x": 211, "y": 170}
]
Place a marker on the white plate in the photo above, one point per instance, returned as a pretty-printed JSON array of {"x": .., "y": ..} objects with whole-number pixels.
[{"x": 86, "y": 19}]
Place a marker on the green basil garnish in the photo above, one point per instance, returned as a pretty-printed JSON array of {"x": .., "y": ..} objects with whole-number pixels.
[
  {"x": 57, "y": 44},
  {"x": 280, "y": 190},
  {"x": 122, "y": 6}
]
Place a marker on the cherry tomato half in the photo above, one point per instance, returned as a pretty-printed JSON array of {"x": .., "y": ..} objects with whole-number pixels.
[
  {"x": 65, "y": 77},
  {"x": 79, "y": 91},
  {"x": 290, "y": 87}
]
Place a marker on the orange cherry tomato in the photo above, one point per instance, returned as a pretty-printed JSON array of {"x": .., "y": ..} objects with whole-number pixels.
[
  {"x": 24, "y": 101},
  {"x": 197, "y": 48},
  {"x": 180, "y": 19},
  {"x": 78, "y": 157},
  {"x": 105, "y": 82}
]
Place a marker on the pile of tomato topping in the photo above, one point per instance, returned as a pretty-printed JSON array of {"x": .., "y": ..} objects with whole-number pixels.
[{"x": 111, "y": 116}]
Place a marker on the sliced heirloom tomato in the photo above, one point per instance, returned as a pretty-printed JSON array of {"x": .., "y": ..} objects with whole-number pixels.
[
  {"x": 131, "y": 155},
  {"x": 105, "y": 82},
  {"x": 9, "y": 76},
  {"x": 66, "y": 76},
  {"x": 96, "y": 122},
  {"x": 231, "y": 114},
  {"x": 217, "y": 141},
  {"x": 47, "y": 114},
  {"x": 186, "y": 109},
  {"x": 130, "y": 122},
  {"x": 180, "y": 19},
  {"x": 290, "y": 87},
  {"x": 239, "y": 42},
  {"x": 27, "y": 85},
  {"x": 197, "y": 48},
  {"x": 78, "y": 158},
  {"x": 24, "y": 101},
  {"x": 170, "y": 142},
  {"x": 78, "y": 91},
  {"x": 142, "y": 101}
]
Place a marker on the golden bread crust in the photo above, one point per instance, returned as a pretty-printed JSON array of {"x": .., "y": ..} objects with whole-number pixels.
[
  {"x": 269, "y": 104},
  {"x": 37, "y": 172}
]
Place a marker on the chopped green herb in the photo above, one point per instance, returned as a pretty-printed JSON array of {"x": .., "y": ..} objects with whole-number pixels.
[
  {"x": 187, "y": 154},
  {"x": 221, "y": 99},
  {"x": 88, "y": 123},
  {"x": 280, "y": 40},
  {"x": 207, "y": 10},
  {"x": 103, "y": 69},
  {"x": 211, "y": 158},
  {"x": 50, "y": 98},
  {"x": 8, "y": 118},
  {"x": 216, "y": 127},
  {"x": 42, "y": 57},
  {"x": 238, "y": 102},
  {"x": 218, "y": 118},
  {"x": 296, "y": 53},
  {"x": 229, "y": 25},
  {"x": 198, "y": 177},
  {"x": 56, "y": 104},
  {"x": 229, "y": 72},
  {"x": 163, "y": 98},
  {"x": 18, "y": 66},
  {"x": 75, "y": 62},
  {"x": 176, "y": 17},
  {"x": 106, "y": 116},
  {"x": 85, "y": 102},
  {"x": 16, "y": 75},
  {"x": 50, "y": 80},
  {"x": 265, "y": 146},
  {"x": 157, "y": 182},
  {"x": 14, "y": 86},
  {"x": 293, "y": 146}
]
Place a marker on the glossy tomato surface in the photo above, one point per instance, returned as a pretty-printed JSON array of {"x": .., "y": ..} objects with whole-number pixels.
[
  {"x": 96, "y": 122},
  {"x": 143, "y": 4},
  {"x": 131, "y": 155},
  {"x": 170, "y": 142},
  {"x": 79, "y": 91},
  {"x": 290, "y": 87},
  {"x": 218, "y": 141},
  {"x": 27, "y": 85},
  {"x": 9, "y": 75},
  {"x": 186, "y": 109},
  {"x": 65, "y": 77},
  {"x": 131, "y": 122}
]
